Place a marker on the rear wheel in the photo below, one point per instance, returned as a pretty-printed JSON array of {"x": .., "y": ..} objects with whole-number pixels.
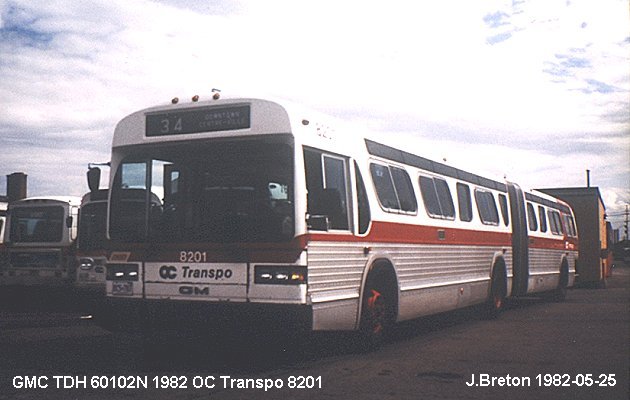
[
  {"x": 560, "y": 293},
  {"x": 498, "y": 292}
]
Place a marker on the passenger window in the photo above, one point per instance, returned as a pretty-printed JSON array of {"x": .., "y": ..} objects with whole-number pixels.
[
  {"x": 559, "y": 222},
  {"x": 552, "y": 223},
  {"x": 531, "y": 218},
  {"x": 487, "y": 207},
  {"x": 437, "y": 198},
  {"x": 327, "y": 194},
  {"x": 446, "y": 200},
  {"x": 543, "y": 218},
  {"x": 429, "y": 196},
  {"x": 393, "y": 188},
  {"x": 570, "y": 225},
  {"x": 555, "y": 222},
  {"x": 404, "y": 190},
  {"x": 384, "y": 186},
  {"x": 464, "y": 201},
  {"x": 504, "y": 209}
]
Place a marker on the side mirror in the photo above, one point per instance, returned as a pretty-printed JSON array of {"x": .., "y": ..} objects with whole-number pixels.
[
  {"x": 94, "y": 179},
  {"x": 69, "y": 222}
]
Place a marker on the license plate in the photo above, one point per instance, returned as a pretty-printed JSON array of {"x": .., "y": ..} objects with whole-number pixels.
[{"x": 122, "y": 288}]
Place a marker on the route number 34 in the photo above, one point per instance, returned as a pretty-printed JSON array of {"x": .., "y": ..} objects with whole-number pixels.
[{"x": 168, "y": 126}]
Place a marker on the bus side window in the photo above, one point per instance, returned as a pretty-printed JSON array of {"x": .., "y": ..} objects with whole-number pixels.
[
  {"x": 504, "y": 209},
  {"x": 437, "y": 198},
  {"x": 543, "y": 219},
  {"x": 486, "y": 207},
  {"x": 531, "y": 218},
  {"x": 464, "y": 202}
]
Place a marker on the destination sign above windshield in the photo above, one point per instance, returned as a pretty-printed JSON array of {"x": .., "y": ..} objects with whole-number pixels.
[{"x": 198, "y": 120}]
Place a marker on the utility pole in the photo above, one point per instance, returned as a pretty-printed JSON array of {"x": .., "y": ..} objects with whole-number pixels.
[{"x": 626, "y": 224}]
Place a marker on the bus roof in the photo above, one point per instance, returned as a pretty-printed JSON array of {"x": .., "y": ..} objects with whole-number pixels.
[
  {"x": 226, "y": 118},
  {"x": 43, "y": 200},
  {"x": 100, "y": 195}
]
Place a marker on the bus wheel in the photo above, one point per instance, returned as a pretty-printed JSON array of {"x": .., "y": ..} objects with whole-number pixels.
[
  {"x": 378, "y": 312},
  {"x": 496, "y": 299},
  {"x": 560, "y": 293}
]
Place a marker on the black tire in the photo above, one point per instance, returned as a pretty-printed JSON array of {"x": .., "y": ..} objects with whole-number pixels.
[
  {"x": 560, "y": 293},
  {"x": 378, "y": 311},
  {"x": 497, "y": 295}
]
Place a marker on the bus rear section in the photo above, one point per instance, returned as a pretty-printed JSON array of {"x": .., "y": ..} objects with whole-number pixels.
[
  {"x": 552, "y": 245},
  {"x": 40, "y": 242}
]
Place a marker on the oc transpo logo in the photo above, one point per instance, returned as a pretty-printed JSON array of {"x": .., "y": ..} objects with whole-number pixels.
[{"x": 168, "y": 272}]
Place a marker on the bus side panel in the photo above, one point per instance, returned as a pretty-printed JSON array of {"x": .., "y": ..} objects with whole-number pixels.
[
  {"x": 431, "y": 278},
  {"x": 335, "y": 272},
  {"x": 436, "y": 278},
  {"x": 544, "y": 269}
]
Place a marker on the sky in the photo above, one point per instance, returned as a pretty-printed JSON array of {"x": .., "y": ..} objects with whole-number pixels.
[{"x": 534, "y": 91}]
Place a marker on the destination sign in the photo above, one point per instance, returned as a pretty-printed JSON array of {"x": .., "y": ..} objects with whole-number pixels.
[{"x": 198, "y": 120}]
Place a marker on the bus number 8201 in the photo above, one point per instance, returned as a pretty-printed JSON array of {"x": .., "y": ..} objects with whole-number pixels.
[{"x": 193, "y": 256}]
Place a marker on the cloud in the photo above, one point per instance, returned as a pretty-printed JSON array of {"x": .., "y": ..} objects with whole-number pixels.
[
  {"x": 533, "y": 79},
  {"x": 599, "y": 87},
  {"x": 496, "y": 19},
  {"x": 498, "y": 38}
]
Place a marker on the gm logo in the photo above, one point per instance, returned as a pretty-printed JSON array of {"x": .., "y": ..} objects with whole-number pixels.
[{"x": 168, "y": 272}]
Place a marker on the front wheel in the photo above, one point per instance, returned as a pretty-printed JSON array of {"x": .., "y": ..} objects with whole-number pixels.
[{"x": 377, "y": 315}]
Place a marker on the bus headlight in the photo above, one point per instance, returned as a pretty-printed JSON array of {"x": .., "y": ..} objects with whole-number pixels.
[
  {"x": 122, "y": 272},
  {"x": 86, "y": 263},
  {"x": 280, "y": 275}
]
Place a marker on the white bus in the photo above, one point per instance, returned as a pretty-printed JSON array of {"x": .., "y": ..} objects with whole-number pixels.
[
  {"x": 230, "y": 210},
  {"x": 40, "y": 242}
]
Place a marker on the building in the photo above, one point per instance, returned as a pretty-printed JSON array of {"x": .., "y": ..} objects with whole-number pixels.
[{"x": 595, "y": 257}]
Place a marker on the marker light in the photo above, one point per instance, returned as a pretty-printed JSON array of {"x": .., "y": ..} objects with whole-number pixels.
[
  {"x": 280, "y": 275},
  {"x": 175, "y": 100},
  {"x": 195, "y": 98}
]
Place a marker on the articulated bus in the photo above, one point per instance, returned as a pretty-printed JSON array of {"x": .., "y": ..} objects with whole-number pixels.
[
  {"x": 40, "y": 242},
  {"x": 231, "y": 210},
  {"x": 91, "y": 253}
]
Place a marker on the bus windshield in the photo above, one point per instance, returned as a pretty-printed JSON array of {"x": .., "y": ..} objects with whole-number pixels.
[
  {"x": 230, "y": 191},
  {"x": 37, "y": 224}
]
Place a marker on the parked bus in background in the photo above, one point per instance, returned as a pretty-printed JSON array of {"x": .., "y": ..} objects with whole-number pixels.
[
  {"x": 3, "y": 218},
  {"x": 91, "y": 243},
  {"x": 3, "y": 223},
  {"x": 229, "y": 211},
  {"x": 40, "y": 242}
]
